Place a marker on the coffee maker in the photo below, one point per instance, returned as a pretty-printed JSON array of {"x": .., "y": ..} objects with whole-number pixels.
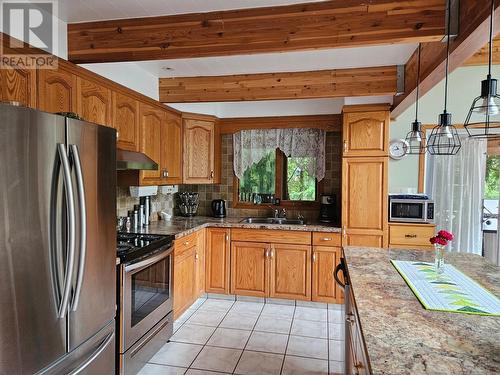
[{"x": 328, "y": 209}]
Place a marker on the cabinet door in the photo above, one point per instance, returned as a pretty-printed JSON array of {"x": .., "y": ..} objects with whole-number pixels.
[
  {"x": 364, "y": 198},
  {"x": 199, "y": 151},
  {"x": 94, "y": 102},
  {"x": 200, "y": 263},
  {"x": 324, "y": 287},
  {"x": 358, "y": 238},
  {"x": 184, "y": 280},
  {"x": 366, "y": 133},
  {"x": 172, "y": 148},
  {"x": 250, "y": 269},
  {"x": 57, "y": 90},
  {"x": 290, "y": 275},
  {"x": 151, "y": 122},
  {"x": 126, "y": 121},
  {"x": 217, "y": 260},
  {"x": 18, "y": 85}
]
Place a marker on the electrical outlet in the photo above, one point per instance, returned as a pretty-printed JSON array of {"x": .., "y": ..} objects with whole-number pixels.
[{"x": 169, "y": 189}]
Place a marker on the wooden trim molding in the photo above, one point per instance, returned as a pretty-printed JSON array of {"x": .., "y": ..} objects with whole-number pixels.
[
  {"x": 326, "y": 24},
  {"x": 272, "y": 86}
]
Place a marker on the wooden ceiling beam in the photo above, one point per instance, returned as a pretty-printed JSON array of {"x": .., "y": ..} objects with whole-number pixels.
[
  {"x": 329, "y": 24},
  {"x": 473, "y": 35},
  {"x": 273, "y": 86},
  {"x": 481, "y": 57}
]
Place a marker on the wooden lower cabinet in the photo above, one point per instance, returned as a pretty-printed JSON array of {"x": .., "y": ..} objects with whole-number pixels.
[
  {"x": 250, "y": 268},
  {"x": 290, "y": 275},
  {"x": 324, "y": 287},
  {"x": 217, "y": 255},
  {"x": 200, "y": 263},
  {"x": 413, "y": 236},
  {"x": 365, "y": 239},
  {"x": 184, "y": 280}
]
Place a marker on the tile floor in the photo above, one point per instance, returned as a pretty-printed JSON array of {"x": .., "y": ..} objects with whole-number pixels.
[{"x": 217, "y": 336}]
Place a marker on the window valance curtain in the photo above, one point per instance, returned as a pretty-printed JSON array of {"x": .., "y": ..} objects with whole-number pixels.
[{"x": 250, "y": 146}]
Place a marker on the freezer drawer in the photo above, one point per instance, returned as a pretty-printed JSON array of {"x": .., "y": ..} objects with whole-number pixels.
[{"x": 96, "y": 356}]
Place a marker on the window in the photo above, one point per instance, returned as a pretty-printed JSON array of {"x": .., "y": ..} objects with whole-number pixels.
[
  {"x": 492, "y": 177},
  {"x": 278, "y": 176}
]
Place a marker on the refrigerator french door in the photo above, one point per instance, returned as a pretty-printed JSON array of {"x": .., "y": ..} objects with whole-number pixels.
[{"x": 57, "y": 244}]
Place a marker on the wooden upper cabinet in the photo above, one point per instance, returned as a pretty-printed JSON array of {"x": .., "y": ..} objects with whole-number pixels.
[
  {"x": 290, "y": 275},
  {"x": 171, "y": 148},
  {"x": 217, "y": 260},
  {"x": 250, "y": 268},
  {"x": 364, "y": 198},
  {"x": 57, "y": 90},
  {"x": 126, "y": 121},
  {"x": 324, "y": 287},
  {"x": 18, "y": 85},
  {"x": 199, "y": 151},
  {"x": 152, "y": 119},
  {"x": 365, "y": 133},
  {"x": 94, "y": 102}
]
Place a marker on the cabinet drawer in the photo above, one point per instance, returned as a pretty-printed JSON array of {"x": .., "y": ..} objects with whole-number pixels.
[
  {"x": 417, "y": 235},
  {"x": 271, "y": 236},
  {"x": 326, "y": 239},
  {"x": 185, "y": 243}
]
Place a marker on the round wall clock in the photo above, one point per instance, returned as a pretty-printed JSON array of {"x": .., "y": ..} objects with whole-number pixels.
[{"x": 398, "y": 148}]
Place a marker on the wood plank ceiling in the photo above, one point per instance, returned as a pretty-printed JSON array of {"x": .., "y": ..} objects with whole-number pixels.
[{"x": 329, "y": 24}]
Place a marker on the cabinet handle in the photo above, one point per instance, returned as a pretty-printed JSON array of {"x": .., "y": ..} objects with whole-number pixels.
[
  {"x": 164, "y": 173},
  {"x": 266, "y": 254},
  {"x": 211, "y": 175},
  {"x": 117, "y": 135},
  {"x": 326, "y": 239},
  {"x": 196, "y": 257},
  {"x": 227, "y": 237},
  {"x": 345, "y": 145},
  {"x": 410, "y": 236},
  {"x": 344, "y": 233},
  {"x": 272, "y": 253},
  {"x": 314, "y": 257}
]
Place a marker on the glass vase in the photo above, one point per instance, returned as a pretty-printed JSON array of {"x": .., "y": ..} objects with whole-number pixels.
[{"x": 439, "y": 258}]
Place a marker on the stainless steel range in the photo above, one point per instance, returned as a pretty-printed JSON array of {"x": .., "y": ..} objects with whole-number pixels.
[{"x": 145, "y": 300}]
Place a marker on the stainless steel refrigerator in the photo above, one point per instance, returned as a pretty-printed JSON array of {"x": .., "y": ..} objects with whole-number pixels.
[{"x": 57, "y": 244}]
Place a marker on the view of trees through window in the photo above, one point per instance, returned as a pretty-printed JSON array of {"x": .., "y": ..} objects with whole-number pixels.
[
  {"x": 298, "y": 185},
  {"x": 492, "y": 176}
]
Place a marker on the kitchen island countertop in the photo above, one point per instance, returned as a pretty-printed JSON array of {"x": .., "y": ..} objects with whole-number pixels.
[
  {"x": 402, "y": 337},
  {"x": 182, "y": 226}
]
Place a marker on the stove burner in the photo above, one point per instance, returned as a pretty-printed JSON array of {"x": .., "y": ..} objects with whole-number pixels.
[{"x": 132, "y": 246}]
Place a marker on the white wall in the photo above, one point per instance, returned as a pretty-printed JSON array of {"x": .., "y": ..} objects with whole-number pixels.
[
  {"x": 464, "y": 85},
  {"x": 128, "y": 74}
]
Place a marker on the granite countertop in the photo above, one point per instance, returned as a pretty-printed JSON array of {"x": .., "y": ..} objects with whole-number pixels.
[
  {"x": 182, "y": 226},
  {"x": 404, "y": 338}
]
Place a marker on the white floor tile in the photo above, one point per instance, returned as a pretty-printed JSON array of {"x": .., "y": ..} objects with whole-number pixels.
[
  {"x": 309, "y": 328},
  {"x": 248, "y": 308},
  {"x": 278, "y": 311},
  {"x": 198, "y": 302},
  {"x": 336, "y": 368},
  {"x": 193, "y": 371},
  {"x": 267, "y": 342},
  {"x": 259, "y": 363},
  {"x": 309, "y": 313},
  {"x": 316, "y": 305},
  {"x": 176, "y": 354},
  {"x": 239, "y": 321},
  {"x": 274, "y": 325},
  {"x": 152, "y": 369},
  {"x": 207, "y": 318},
  {"x": 251, "y": 299},
  {"x": 336, "y": 316},
  {"x": 229, "y": 338},
  {"x": 186, "y": 315},
  {"x": 280, "y": 301},
  {"x": 193, "y": 334},
  {"x": 307, "y": 347},
  {"x": 336, "y": 331},
  {"x": 304, "y": 366},
  {"x": 336, "y": 350},
  {"x": 216, "y": 305},
  {"x": 217, "y": 359}
]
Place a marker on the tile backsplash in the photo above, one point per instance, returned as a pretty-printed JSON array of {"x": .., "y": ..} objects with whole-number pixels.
[
  {"x": 332, "y": 181},
  {"x": 160, "y": 202}
]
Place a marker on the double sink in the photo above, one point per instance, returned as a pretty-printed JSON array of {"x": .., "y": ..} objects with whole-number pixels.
[{"x": 273, "y": 220}]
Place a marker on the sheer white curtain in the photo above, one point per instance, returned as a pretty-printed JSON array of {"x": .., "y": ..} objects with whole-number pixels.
[{"x": 456, "y": 184}]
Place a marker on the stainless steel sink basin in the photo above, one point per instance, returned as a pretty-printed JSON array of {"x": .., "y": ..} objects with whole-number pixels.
[{"x": 272, "y": 220}]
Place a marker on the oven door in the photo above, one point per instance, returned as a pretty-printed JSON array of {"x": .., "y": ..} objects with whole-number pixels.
[{"x": 146, "y": 296}]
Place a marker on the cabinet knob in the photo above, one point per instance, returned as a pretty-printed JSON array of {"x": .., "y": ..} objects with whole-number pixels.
[
  {"x": 186, "y": 243},
  {"x": 266, "y": 254},
  {"x": 314, "y": 257},
  {"x": 196, "y": 256},
  {"x": 345, "y": 146},
  {"x": 272, "y": 253},
  {"x": 227, "y": 237},
  {"x": 211, "y": 175},
  {"x": 164, "y": 173}
]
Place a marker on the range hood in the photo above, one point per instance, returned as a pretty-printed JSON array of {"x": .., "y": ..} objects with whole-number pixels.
[{"x": 131, "y": 160}]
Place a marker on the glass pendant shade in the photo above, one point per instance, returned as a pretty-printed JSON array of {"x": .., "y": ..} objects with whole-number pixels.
[
  {"x": 415, "y": 139},
  {"x": 444, "y": 138},
  {"x": 483, "y": 120}
]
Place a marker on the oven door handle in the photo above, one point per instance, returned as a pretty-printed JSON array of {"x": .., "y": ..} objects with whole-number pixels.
[
  {"x": 339, "y": 267},
  {"x": 149, "y": 261}
]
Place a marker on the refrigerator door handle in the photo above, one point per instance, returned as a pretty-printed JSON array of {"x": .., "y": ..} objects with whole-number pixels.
[
  {"x": 70, "y": 212},
  {"x": 83, "y": 226},
  {"x": 94, "y": 355}
]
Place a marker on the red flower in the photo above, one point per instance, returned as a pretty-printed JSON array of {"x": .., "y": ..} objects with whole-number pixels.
[
  {"x": 445, "y": 234},
  {"x": 441, "y": 241},
  {"x": 433, "y": 240}
]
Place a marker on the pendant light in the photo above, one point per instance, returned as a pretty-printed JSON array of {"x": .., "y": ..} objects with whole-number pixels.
[
  {"x": 415, "y": 138},
  {"x": 444, "y": 139},
  {"x": 483, "y": 120}
]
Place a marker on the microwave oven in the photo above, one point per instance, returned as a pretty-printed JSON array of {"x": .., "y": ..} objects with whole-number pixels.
[{"x": 410, "y": 210}]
